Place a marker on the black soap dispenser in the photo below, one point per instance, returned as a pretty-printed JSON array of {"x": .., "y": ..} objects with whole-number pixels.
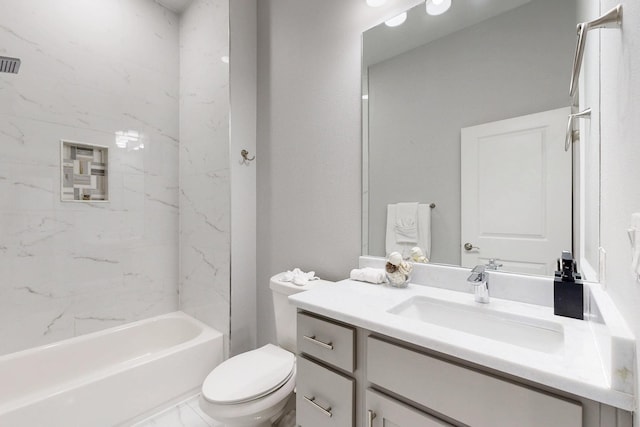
[{"x": 568, "y": 294}]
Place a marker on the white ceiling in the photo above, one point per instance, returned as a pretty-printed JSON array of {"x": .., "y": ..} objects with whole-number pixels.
[
  {"x": 175, "y": 5},
  {"x": 382, "y": 42}
]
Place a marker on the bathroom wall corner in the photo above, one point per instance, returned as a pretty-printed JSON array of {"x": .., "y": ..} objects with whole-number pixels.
[{"x": 243, "y": 81}]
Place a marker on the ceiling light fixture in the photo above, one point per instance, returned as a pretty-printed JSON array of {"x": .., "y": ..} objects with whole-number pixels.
[
  {"x": 376, "y": 3},
  {"x": 396, "y": 20},
  {"x": 438, "y": 7}
]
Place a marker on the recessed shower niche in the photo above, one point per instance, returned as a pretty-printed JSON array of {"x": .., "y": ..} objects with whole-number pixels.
[{"x": 84, "y": 175}]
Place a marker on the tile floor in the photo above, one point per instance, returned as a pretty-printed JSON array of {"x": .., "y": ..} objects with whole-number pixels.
[
  {"x": 185, "y": 414},
  {"x": 188, "y": 414}
]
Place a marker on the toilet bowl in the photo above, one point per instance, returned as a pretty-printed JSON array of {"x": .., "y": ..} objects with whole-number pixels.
[{"x": 252, "y": 389}]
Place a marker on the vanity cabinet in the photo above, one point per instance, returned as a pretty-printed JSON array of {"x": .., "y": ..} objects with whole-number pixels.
[
  {"x": 463, "y": 394},
  {"x": 383, "y": 411},
  {"x": 325, "y": 388},
  {"x": 355, "y": 377}
]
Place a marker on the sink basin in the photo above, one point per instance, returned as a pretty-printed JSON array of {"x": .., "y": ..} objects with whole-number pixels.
[{"x": 480, "y": 320}]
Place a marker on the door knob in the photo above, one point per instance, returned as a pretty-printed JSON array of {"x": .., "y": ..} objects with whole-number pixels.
[{"x": 468, "y": 246}]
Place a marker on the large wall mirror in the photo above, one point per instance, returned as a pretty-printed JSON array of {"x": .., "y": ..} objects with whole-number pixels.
[{"x": 465, "y": 113}]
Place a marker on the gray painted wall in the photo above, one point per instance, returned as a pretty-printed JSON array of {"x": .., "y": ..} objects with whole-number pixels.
[
  {"x": 514, "y": 64},
  {"x": 308, "y": 154}
]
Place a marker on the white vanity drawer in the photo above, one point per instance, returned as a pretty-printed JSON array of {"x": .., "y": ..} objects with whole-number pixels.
[
  {"x": 326, "y": 341},
  {"x": 323, "y": 397},
  {"x": 463, "y": 394}
]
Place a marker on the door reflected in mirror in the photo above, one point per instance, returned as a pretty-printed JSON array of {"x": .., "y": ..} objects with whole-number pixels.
[{"x": 441, "y": 95}]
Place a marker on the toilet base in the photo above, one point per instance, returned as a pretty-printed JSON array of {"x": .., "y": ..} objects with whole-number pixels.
[
  {"x": 272, "y": 421},
  {"x": 286, "y": 418},
  {"x": 280, "y": 419}
]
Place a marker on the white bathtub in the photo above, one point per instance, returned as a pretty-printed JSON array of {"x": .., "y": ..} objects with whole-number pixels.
[{"x": 108, "y": 378}]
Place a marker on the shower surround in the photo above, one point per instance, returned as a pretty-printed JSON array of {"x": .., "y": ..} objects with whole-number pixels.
[
  {"x": 107, "y": 73},
  {"x": 205, "y": 237}
]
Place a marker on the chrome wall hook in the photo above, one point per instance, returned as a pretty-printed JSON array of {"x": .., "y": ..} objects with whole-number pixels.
[{"x": 245, "y": 156}]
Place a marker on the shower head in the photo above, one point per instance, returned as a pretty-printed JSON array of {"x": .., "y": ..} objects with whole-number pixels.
[{"x": 9, "y": 65}]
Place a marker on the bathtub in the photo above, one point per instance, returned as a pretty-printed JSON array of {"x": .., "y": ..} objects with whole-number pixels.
[{"x": 108, "y": 378}]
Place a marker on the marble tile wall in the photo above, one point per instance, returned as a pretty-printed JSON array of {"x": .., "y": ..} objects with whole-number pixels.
[
  {"x": 204, "y": 164},
  {"x": 89, "y": 70}
]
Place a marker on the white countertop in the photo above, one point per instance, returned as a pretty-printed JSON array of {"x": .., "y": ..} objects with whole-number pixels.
[{"x": 583, "y": 366}]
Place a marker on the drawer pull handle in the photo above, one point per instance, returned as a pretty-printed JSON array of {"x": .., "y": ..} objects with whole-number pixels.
[
  {"x": 311, "y": 400},
  {"x": 313, "y": 339},
  {"x": 370, "y": 416}
]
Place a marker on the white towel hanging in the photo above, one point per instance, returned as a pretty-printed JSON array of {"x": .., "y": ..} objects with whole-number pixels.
[
  {"x": 424, "y": 232},
  {"x": 406, "y": 223}
]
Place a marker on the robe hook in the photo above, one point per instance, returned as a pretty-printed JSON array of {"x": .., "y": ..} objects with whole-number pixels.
[{"x": 245, "y": 156}]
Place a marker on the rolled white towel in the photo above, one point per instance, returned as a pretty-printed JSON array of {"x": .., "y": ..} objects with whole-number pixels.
[{"x": 368, "y": 274}]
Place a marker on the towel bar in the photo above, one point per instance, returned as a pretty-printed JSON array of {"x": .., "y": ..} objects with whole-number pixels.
[
  {"x": 611, "y": 19},
  {"x": 570, "y": 136}
]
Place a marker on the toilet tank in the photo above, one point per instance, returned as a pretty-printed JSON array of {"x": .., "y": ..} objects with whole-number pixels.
[{"x": 285, "y": 313}]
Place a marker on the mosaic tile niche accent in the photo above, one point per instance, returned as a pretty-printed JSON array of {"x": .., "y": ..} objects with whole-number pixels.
[{"x": 84, "y": 172}]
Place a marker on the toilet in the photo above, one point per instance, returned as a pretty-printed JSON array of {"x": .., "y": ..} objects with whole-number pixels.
[{"x": 253, "y": 389}]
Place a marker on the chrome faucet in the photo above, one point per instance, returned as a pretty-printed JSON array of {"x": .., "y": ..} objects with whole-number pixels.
[
  {"x": 480, "y": 279},
  {"x": 493, "y": 264}
]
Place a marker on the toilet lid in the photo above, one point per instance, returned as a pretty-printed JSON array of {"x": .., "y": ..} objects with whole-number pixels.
[{"x": 249, "y": 376}]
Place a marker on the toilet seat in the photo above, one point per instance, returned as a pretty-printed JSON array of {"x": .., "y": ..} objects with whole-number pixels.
[
  {"x": 253, "y": 412},
  {"x": 249, "y": 376}
]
